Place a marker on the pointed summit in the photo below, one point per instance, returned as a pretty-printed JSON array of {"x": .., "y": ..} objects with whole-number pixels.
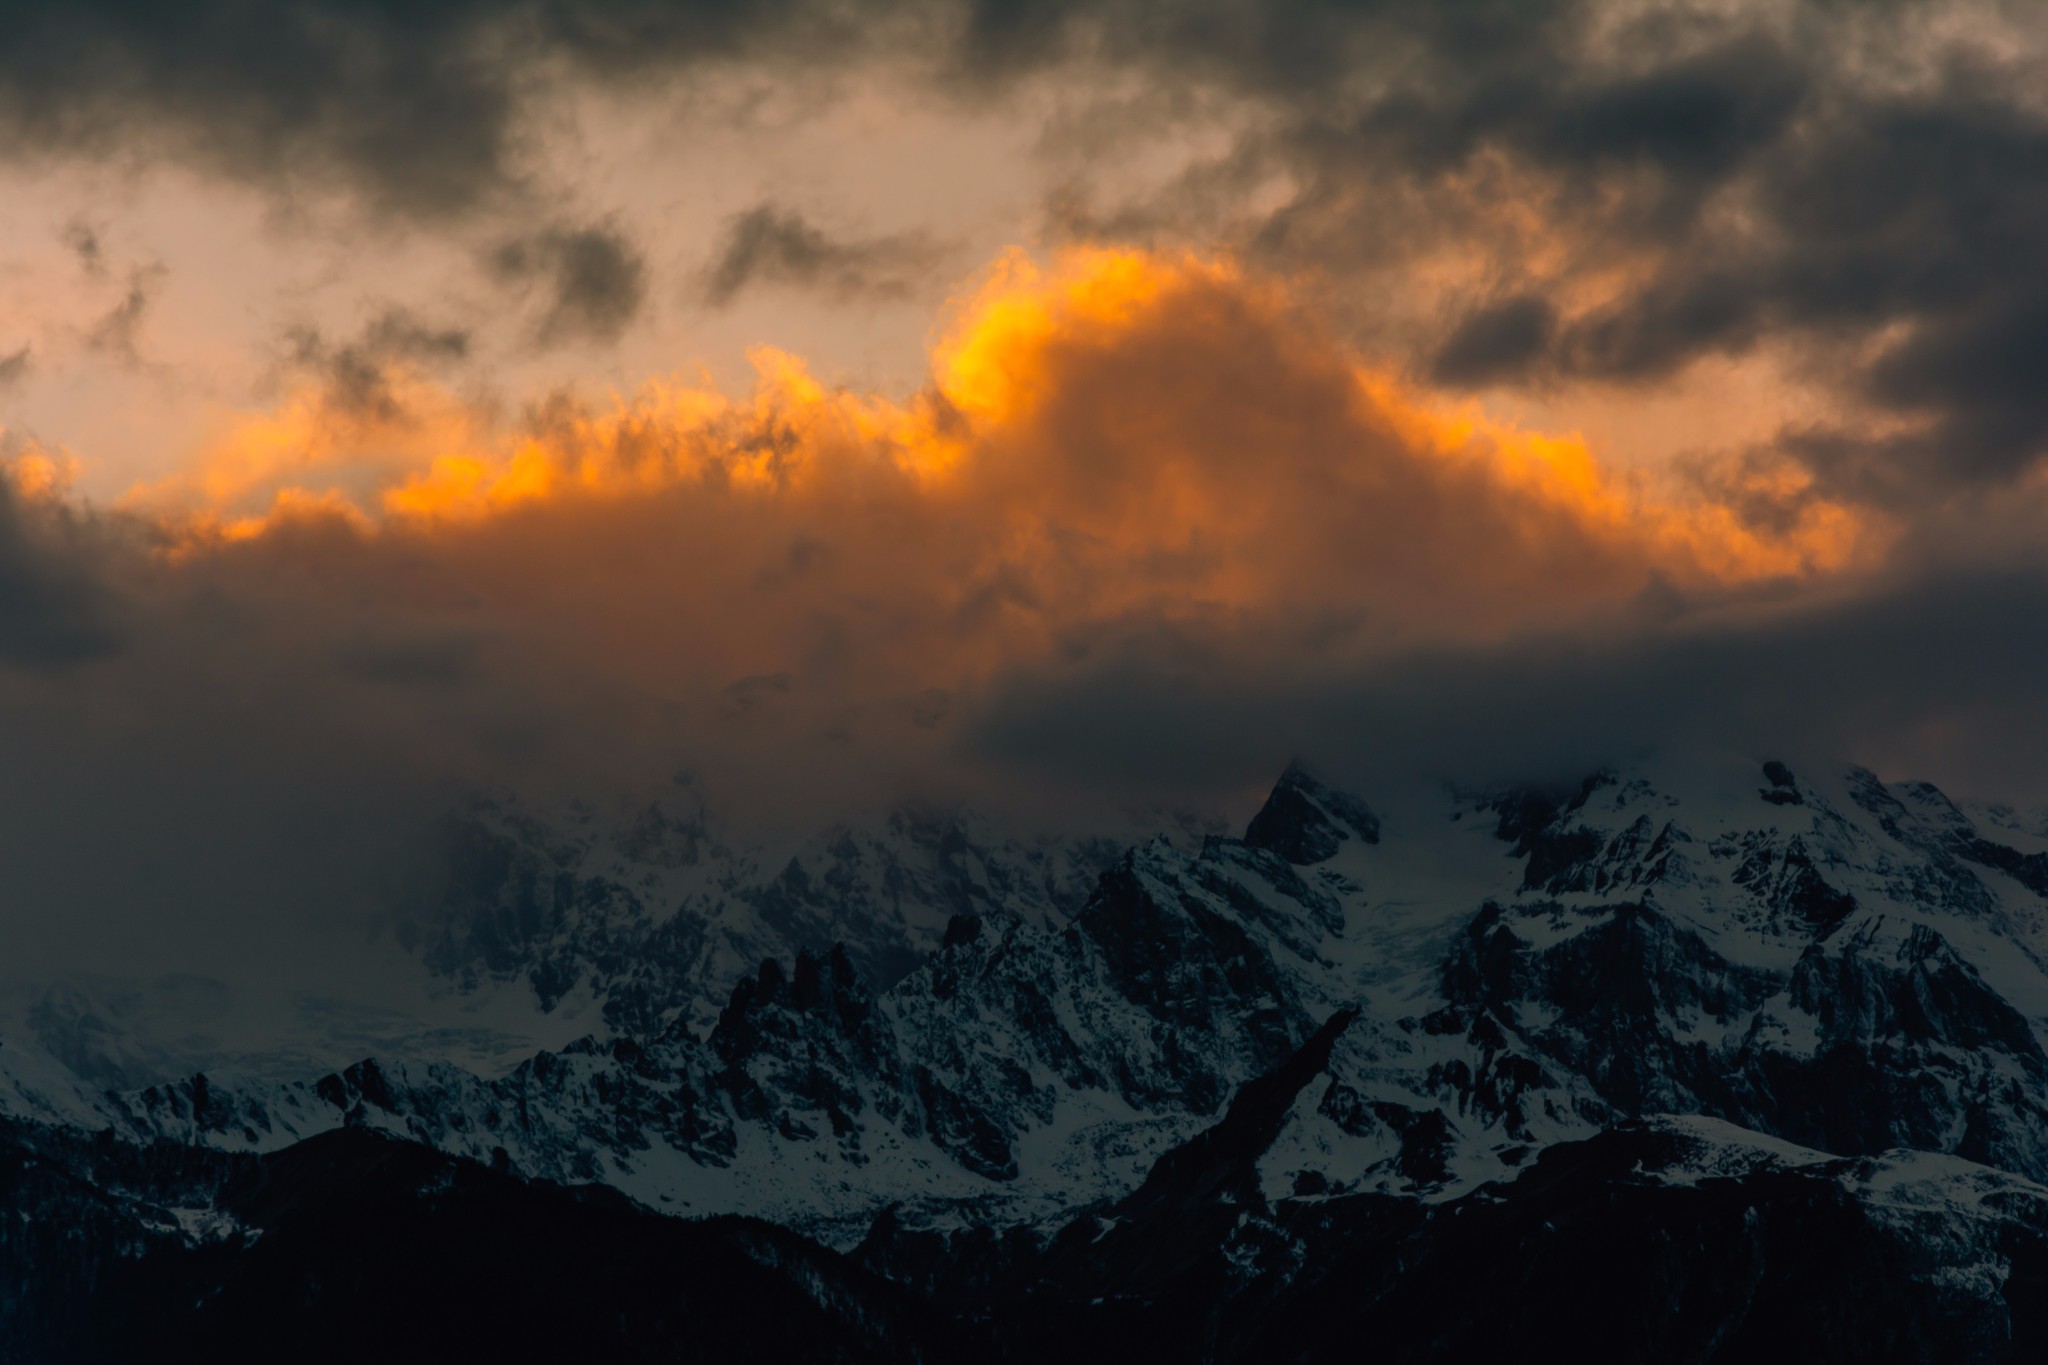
[{"x": 1306, "y": 822}]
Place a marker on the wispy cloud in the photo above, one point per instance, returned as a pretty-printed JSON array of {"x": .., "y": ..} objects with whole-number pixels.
[
  {"x": 773, "y": 245},
  {"x": 592, "y": 280}
]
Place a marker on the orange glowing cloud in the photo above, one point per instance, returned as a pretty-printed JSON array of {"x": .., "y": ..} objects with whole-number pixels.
[
  {"x": 38, "y": 474},
  {"x": 1118, "y": 437}
]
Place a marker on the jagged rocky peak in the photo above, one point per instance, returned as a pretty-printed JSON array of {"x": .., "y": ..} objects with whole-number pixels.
[
  {"x": 826, "y": 985},
  {"x": 1307, "y": 822},
  {"x": 1224, "y": 1157},
  {"x": 1784, "y": 787}
]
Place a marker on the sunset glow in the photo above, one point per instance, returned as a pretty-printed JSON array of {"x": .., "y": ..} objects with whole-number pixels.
[{"x": 1058, "y": 449}]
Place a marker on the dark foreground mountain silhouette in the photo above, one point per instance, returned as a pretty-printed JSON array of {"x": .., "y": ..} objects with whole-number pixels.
[{"x": 1644, "y": 1243}]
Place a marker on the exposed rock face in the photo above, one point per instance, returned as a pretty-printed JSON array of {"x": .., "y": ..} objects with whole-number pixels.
[
  {"x": 1220, "y": 1163},
  {"x": 1306, "y": 822}
]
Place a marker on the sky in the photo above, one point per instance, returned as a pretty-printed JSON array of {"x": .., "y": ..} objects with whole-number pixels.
[{"x": 1067, "y": 406}]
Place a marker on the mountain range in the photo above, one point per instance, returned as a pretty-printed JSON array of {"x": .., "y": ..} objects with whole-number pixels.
[{"x": 1700, "y": 1060}]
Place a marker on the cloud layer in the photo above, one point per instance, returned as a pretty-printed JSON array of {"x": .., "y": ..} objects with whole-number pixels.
[
  {"x": 1591, "y": 192},
  {"x": 1123, "y": 441},
  {"x": 1282, "y": 455},
  {"x": 1153, "y": 469}
]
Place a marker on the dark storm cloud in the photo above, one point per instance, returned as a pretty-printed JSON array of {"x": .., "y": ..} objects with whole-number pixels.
[
  {"x": 1499, "y": 339},
  {"x": 55, "y": 612},
  {"x": 594, "y": 281},
  {"x": 1776, "y": 186},
  {"x": 1936, "y": 677},
  {"x": 397, "y": 99},
  {"x": 769, "y": 244},
  {"x": 416, "y": 104},
  {"x": 1692, "y": 118},
  {"x": 1910, "y": 223},
  {"x": 1289, "y": 48}
]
